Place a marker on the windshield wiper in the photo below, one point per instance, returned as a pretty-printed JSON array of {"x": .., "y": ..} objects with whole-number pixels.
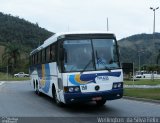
[
  {"x": 107, "y": 68},
  {"x": 101, "y": 62},
  {"x": 90, "y": 61}
]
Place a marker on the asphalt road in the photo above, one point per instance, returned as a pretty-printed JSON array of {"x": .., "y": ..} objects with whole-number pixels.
[{"x": 17, "y": 99}]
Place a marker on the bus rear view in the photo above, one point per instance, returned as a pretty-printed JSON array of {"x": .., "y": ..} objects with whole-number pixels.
[{"x": 88, "y": 68}]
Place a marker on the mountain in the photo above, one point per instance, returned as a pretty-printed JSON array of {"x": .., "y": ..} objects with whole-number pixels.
[
  {"x": 143, "y": 48},
  {"x": 22, "y": 34},
  {"x": 19, "y": 31}
]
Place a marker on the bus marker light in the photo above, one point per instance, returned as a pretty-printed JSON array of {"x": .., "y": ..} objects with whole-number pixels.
[{"x": 65, "y": 89}]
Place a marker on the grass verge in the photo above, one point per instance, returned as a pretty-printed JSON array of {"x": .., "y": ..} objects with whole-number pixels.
[
  {"x": 153, "y": 94},
  {"x": 4, "y": 77},
  {"x": 143, "y": 82}
]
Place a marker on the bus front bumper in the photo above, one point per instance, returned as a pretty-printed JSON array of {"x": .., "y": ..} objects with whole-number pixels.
[{"x": 93, "y": 96}]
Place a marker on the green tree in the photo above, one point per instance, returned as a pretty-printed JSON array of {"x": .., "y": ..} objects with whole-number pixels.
[{"x": 11, "y": 56}]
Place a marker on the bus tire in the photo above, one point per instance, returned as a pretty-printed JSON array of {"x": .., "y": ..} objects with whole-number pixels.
[
  {"x": 34, "y": 85},
  {"x": 100, "y": 102},
  {"x": 37, "y": 89},
  {"x": 55, "y": 97}
]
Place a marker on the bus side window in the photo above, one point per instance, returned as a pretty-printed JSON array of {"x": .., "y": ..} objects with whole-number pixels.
[
  {"x": 43, "y": 56},
  {"x": 52, "y": 52},
  {"x": 34, "y": 59},
  {"x": 39, "y": 57},
  {"x": 48, "y": 54},
  {"x": 32, "y": 62}
]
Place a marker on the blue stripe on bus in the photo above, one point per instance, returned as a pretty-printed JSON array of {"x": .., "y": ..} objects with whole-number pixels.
[
  {"x": 47, "y": 79},
  {"x": 80, "y": 79}
]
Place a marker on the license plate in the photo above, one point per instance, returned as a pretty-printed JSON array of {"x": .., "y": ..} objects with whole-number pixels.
[{"x": 96, "y": 98}]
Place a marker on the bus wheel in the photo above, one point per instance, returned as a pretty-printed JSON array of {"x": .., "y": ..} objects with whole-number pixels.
[
  {"x": 37, "y": 89},
  {"x": 56, "y": 98},
  {"x": 34, "y": 84},
  {"x": 100, "y": 102}
]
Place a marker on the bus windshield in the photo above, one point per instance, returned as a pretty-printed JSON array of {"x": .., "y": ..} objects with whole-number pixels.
[{"x": 90, "y": 54}]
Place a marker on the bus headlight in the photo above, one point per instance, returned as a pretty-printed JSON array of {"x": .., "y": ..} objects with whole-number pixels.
[
  {"x": 77, "y": 89},
  {"x": 117, "y": 85},
  {"x": 72, "y": 89}
]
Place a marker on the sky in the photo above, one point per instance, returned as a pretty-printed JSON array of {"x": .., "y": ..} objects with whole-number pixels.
[{"x": 125, "y": 17}]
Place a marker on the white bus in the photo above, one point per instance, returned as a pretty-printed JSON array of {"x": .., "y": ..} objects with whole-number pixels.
[{"x": 78, "y": 67}]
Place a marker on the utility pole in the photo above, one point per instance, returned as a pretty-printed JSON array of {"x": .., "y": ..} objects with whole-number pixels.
[
  {"x": 154, "y": 21},
  {"x": 107, "y": 25},
  {"x": 154, "y": 10}
]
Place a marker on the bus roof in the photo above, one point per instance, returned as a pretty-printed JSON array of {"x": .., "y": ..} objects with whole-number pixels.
[{"x": 54, "y": 37}]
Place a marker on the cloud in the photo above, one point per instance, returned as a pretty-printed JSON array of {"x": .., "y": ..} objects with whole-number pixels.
[{"x": 126, "y": 17}]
